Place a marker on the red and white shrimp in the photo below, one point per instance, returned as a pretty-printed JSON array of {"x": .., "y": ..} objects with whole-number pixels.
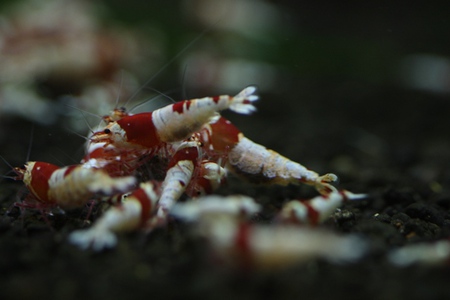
[
  {"x": 255, "y": 162},
  {"x": 316, "y": 210},
  {"x": 179, "y": 174},
  {"x": 263, "y": 246},
  {"x": 133, "y": 213},
  {"x": 71, "y": 186},
  {"x": 223, "y": 221},
  {"x": 197, "y": 147},
  {"x": 172, "y": 123},
  {"x": 120, "y": 147}
]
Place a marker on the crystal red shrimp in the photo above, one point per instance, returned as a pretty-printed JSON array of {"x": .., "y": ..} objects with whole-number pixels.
[
  {"x": 255, "y": 162},
  {"x": 171, "y": 123},
  {"x": 71, "y": 186},
  {"x": 316, "y": 210},
  {"x": 126, "y": 139},
  {"x": 134, "y": 213},
  {"x": 271, "y": 247},
  {"x": 223, "y": 221},
  {"x": 187, "y": 173},
  {"x": 179, "y": 174}
]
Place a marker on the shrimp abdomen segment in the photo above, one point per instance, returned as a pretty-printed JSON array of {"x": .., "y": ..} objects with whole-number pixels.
[
  {"x": 259, "y": 164},
  {"x": 73, "y": 186}
]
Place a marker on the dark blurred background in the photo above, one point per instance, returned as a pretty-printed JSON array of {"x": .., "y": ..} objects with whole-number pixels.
[{"x": 344, "y": 85}]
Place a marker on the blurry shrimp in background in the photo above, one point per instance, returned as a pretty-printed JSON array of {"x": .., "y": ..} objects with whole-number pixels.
[
  {"x": 428, "y": 72},
  {"x": 57, "y": 55},
  {"x": 50, "y": 49}
]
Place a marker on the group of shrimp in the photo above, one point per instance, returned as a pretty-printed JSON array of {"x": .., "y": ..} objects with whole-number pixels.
[{"x": 195, "y": 147}]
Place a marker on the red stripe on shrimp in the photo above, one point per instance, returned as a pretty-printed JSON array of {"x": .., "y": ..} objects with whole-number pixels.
[
  {"x": 140, "y": 130},
  {"x": 36, "y": 179},
  {"x": 181, "y": 107}
]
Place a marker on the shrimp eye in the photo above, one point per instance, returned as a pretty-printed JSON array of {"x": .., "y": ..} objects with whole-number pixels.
[{"x": 107, "y": 131}]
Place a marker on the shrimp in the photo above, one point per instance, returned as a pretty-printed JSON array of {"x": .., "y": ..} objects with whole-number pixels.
[
  {"x": 179, "y": 173},
  {"x": 316, "y": 210},
  {"x": 172, "y": 123},
  {"x": 71, "y": 186},
  {"x": 135, "y": 212},
  {"x": 223, "y": 221},
  {"x": 255, "y": 162}
]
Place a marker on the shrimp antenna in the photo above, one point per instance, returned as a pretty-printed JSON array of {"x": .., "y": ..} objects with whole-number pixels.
[
  {"x": 31, "y": 143},
  {"x": 77, "y": 134},
  {"x": 57, "y": 160},
  {"x": 143, "y": 102},
  {"x": 66, "y": 155},
  {"x": 200, "y": 36},
  {"x": 11, "y": 169},
  {"x": 87, "y": 123},
  {"x": 154, "y": 98},
  {"x": 84, "y": 111},
  {"x": 5, "y": 176},
  {"x": 6, "y": 162},
  {"x": 120, "y": 90},
  {"x": 164, "y": 94},
  {"x": 183, "y": 78},
  {"x": 8, "y": 177}
]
